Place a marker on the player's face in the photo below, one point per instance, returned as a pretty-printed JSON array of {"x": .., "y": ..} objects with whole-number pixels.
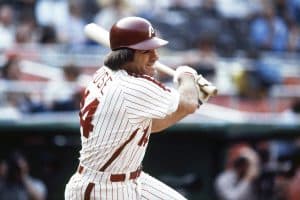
[{"x": 143, "y": 61}]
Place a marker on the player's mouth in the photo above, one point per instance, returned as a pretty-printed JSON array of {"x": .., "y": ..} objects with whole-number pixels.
[
  {"x": 150, "y": 69},
  {"x": 150, "y": 64}
]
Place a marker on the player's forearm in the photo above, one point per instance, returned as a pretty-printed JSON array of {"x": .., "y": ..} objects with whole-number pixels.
[
  {"x": 161, "y": 124},
  {"x": 188, "y": 103}
]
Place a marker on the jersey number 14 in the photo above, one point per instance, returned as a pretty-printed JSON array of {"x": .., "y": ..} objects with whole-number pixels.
[{"x": 86, "y": 114}]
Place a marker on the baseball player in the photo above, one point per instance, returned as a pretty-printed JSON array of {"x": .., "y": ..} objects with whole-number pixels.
[{"x": 120, "y": 109}]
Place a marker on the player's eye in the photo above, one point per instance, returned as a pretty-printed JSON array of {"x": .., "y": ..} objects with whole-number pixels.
[{"x": 145, "y": 51}]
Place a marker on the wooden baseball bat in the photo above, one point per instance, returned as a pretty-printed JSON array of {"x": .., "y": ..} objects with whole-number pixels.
[{"x": 101, "y": 36}]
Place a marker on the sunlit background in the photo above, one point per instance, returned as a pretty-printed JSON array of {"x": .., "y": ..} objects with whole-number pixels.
[{"x": 249, "y": 49}]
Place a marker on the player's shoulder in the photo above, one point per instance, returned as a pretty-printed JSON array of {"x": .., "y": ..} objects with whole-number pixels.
[
  {"x": 103, "y": 69},
  {"x": 149, "y": 80}
]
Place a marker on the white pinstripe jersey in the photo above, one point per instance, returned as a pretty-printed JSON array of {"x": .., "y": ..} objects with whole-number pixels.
[{"x": 116, "y": 116}]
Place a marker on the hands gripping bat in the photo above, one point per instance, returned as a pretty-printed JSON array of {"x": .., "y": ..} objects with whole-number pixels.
[{"x": 101, "y": 36}]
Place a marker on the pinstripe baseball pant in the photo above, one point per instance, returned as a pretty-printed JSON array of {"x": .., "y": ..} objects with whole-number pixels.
[{"x": 98, "y": 185}]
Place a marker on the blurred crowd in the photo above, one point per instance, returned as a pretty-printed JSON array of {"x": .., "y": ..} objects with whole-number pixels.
[
  {"x": 231, "y": 24},
  {"x": 266, "y": 170},
  {"x": 16, "y": 181},
  {"x": 58, "y": 95}
]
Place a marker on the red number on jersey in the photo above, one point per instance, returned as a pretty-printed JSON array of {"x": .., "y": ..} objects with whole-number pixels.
[
  {"x": 88, "y": 112},
  {"x": 144, "y": 140}
]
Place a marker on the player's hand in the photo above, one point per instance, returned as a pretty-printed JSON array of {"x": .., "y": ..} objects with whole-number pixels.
[
  {"x": 183, "y": 72},
  {"x": 184, "y": 79},
  {"x": 200, "y": 81}
]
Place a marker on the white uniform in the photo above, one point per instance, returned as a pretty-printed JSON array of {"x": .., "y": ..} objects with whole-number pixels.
[{"x": 116, "y": 116}]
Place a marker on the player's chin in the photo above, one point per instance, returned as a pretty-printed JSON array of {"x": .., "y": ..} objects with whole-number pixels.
[{"x": 150, "y": 71}]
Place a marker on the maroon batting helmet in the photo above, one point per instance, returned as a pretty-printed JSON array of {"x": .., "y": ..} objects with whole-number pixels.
[{"x": 135, "y": 33}]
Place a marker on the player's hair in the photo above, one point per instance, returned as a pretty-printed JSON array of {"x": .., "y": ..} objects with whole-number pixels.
[{"x": 116, "y": 59}]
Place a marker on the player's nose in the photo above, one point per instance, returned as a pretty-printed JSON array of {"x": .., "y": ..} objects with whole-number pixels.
[{"x": 154, "y": 55}]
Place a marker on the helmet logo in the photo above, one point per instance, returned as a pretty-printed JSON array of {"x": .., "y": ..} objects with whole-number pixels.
[{"x": 151, "y": 31}]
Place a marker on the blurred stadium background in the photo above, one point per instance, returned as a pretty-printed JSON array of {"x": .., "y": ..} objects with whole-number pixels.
[{"x": 249, "y": 49}]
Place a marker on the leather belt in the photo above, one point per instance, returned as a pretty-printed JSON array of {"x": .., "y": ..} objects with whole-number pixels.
[{"x": 118, "y": 177}]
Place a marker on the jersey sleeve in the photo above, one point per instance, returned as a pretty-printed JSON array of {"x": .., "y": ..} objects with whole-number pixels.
[{"x": 148, "y": 98}]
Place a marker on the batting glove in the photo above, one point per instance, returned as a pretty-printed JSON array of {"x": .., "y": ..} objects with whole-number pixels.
[{"x": 183, "y": 70}]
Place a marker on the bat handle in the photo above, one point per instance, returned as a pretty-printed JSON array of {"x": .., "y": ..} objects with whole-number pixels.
[
  {"x": 163, "y": 68},
  {"x": 210, "y": 89}
]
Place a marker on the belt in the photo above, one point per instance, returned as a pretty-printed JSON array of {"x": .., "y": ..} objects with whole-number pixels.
[{"x": 118, "y": 177}]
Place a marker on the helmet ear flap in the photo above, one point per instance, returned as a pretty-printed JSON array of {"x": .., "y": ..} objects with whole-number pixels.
[{"x": 135, "y": 33}]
